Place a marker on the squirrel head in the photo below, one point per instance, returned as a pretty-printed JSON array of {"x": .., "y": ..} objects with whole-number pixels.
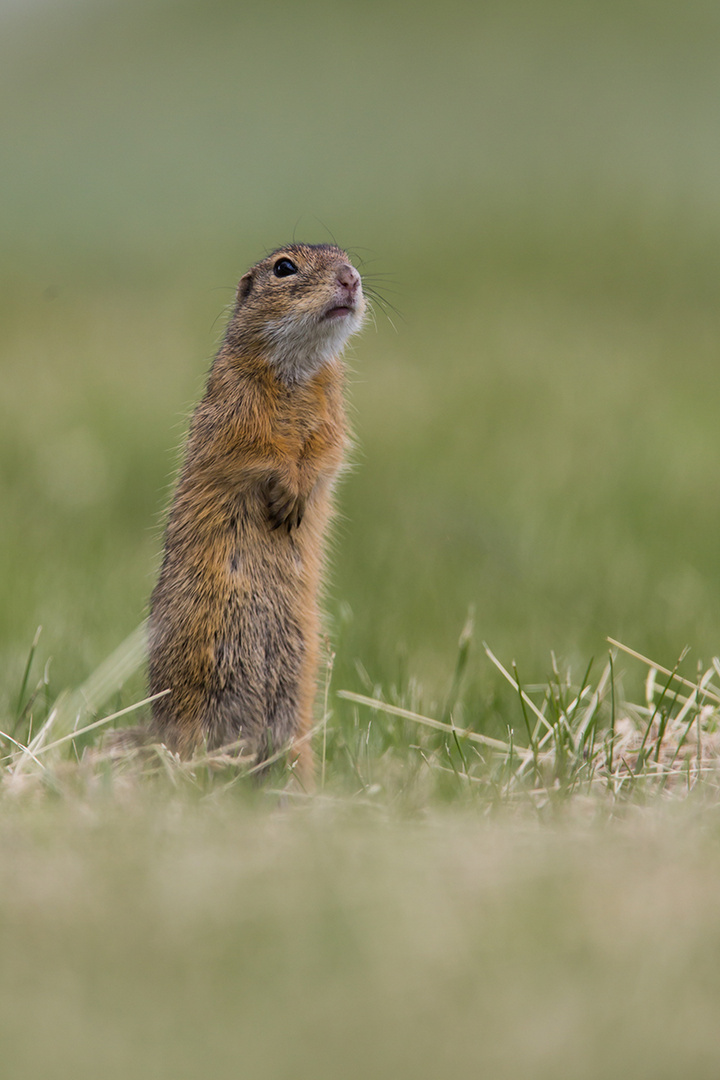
[{"x": 297, "y": 308}]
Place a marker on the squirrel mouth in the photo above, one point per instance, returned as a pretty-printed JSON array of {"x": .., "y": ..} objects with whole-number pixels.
[{"x": 339, "y": 311}]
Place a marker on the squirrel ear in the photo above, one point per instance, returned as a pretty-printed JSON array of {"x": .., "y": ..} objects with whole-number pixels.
[{"x": 245, "y": 285}]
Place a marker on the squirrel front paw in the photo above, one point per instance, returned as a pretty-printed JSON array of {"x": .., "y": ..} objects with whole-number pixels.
[{"x": 284, "y": 507}]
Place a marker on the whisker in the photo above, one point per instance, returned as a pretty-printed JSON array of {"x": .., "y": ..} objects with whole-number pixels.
[
  {"x": 382, "y": 305},
  {"x": 224, "y": 313},
  {"x": 383, "y": 302}
]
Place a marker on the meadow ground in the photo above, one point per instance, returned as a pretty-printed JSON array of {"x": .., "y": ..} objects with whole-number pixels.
[
  {"x": 486, "y": 881},
  {"x": 159, "y": 937}
]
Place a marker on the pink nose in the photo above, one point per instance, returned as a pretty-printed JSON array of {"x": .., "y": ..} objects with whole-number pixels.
[{"x": 348, "y": 277}]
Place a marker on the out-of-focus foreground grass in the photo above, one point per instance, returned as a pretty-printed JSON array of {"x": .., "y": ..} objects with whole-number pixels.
[
  {"x": 534, "y": 187},
  {"x": 166, "y": 942}
]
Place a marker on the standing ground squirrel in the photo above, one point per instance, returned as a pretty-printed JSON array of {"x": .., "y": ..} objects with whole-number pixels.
[{"x": 234, "y": 622}]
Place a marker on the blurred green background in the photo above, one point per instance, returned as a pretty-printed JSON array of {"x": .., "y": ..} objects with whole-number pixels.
[{"x": 533, "y": 186}]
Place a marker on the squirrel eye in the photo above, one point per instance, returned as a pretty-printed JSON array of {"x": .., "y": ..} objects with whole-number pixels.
[{"x": 284, "y": 268}]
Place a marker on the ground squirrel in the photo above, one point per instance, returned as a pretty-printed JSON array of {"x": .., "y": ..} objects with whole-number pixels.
[{"x": 234, "y": 623}]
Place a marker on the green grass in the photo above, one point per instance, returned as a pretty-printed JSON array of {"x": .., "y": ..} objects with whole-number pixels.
[
  {"x": 510, "y": 867},
  {"x": 562, "y": 740}
]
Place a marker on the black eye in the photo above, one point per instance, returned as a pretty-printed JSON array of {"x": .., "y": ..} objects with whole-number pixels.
[{"x": 284, "y": 268}]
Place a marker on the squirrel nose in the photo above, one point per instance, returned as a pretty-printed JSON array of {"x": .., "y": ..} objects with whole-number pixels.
[{"x": 348, "y": 277}]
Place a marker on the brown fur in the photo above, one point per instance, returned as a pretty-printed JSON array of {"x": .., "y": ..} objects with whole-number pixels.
[{"x": 234, "y": 623}]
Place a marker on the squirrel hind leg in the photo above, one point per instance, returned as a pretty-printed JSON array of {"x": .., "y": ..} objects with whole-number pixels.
[
  {"x": 289, "y": 719},
  {"x": 298, "y": 756},
  {"x": 233, "y": 717}
]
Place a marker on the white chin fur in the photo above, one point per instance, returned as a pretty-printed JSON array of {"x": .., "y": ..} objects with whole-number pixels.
[{"x": 298, "y": 349}]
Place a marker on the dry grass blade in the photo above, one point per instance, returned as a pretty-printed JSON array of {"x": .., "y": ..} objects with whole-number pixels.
[
  {"x": 100, "y": 723},
  {"x": 712, "y": 694},
  {"x": 543, "y": 720},
  {"x": 427, "y": 721}
]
